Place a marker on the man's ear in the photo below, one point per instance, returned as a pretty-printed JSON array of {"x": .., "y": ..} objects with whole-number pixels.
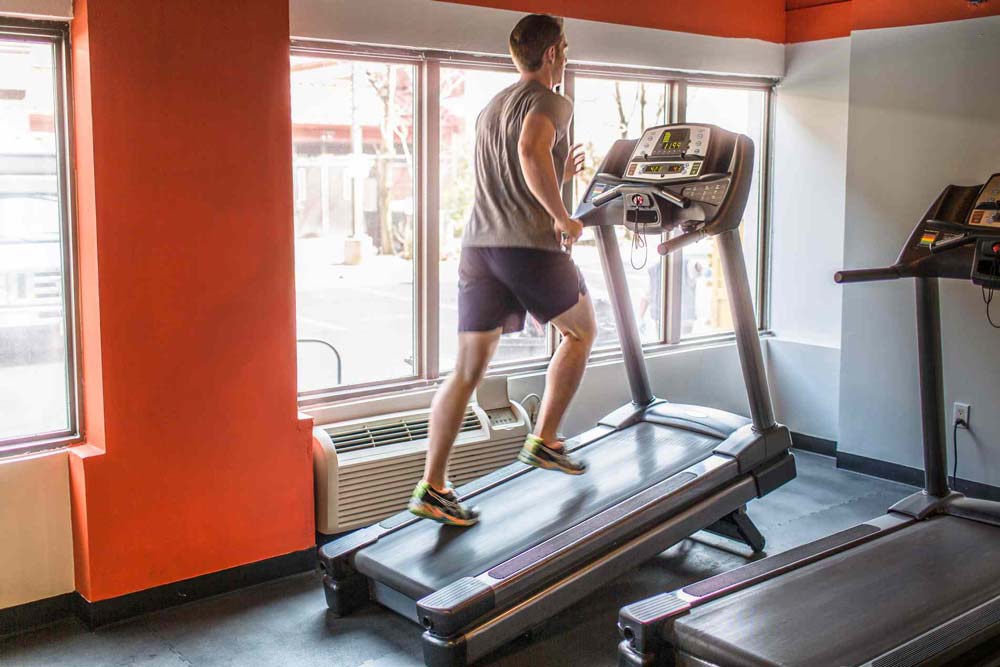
[{"x": 550, "y": 54}]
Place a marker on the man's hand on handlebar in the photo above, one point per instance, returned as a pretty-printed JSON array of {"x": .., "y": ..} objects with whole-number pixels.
[
  {"x": 574, "y": 162},
  {"x": 568, "y": 231}
]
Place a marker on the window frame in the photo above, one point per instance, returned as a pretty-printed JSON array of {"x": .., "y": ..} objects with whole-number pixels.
[
  {"x": 763, "y": 260},
  {"x": 56, "y": 34},
  {"x": 429, "y": 63},
  {"x": 421, "y": 270}
]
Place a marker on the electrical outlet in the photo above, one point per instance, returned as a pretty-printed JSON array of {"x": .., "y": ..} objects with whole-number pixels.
[{"x": 962, "y": 413}]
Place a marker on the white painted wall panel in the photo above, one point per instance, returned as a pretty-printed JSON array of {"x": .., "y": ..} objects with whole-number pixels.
[
  {"x": 810, "y": 170},
  {"x": 924, "y": 104},
  {"x": 56, "y": 9},
  {"x": 36, "y": 548}
]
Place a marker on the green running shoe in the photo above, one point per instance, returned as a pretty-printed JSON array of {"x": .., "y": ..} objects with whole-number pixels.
[
  {"x": 444, "y": 508},
  {"x": 536, "y": 453}
]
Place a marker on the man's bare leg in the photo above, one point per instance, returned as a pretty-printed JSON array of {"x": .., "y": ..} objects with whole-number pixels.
[
  {"x": 579, "y": 329},
  {"x": 475, "y": 349}
]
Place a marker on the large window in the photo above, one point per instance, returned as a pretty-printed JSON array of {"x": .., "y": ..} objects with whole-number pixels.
[
  {"x": 354, "y": 166},
  {"x": 464, "y": 93},
  {"x": 605, "y": 111},
  {"x": 704, "y": 301},
  {"x": 384, "y": 146},
  {"x": 37, "y": 367}
]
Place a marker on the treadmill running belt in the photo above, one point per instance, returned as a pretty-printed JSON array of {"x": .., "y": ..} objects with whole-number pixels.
[
  {"x": 539, "y": 504},
  {"x": 853, "y": 606}
]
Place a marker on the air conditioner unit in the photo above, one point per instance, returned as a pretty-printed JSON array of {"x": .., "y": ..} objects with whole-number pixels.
[{"x": 365, "y": 469}]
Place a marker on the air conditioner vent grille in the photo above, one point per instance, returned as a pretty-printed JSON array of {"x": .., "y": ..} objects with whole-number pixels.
[{"x": 380, "y": 434}]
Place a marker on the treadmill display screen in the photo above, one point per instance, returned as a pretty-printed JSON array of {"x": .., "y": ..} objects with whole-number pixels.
[
  {"x": 663, "y": 168},
  {"x": 672, "y": 142}
]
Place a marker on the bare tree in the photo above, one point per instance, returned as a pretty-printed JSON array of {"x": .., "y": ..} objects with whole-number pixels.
[{"x": 393, "y": 132}]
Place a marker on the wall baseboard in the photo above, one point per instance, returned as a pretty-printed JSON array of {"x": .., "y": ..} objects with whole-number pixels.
[
  {"x": 105, "y": 612},
  {"x": 813, "y": 444},
  {"x": 37, "y": 614},
  {"x": 912, "y": 476}
]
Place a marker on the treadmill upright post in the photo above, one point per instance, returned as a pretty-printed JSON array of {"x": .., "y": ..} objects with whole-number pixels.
[
  {"x": 621, "y": 303},
  {"x": 931, "y": 389},
  {"x": 745, "y": 326}
]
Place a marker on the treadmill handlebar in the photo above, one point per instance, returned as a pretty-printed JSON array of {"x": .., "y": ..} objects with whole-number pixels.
[
  {"x": 611, "y": 194},
  {"x": 607, "y": 196},
  {"x": 867, "y": 275},
  {"x": 684, "y": 240}
]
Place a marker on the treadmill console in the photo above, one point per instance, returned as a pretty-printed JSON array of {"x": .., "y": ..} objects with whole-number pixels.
[
  {"x": 673, "y": 176},
  {"x": 670, "y": 153},
  {"x": 986, "y": 213}
]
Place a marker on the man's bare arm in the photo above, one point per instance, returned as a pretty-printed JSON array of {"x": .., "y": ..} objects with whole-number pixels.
[{"x": 534, "y": 148}]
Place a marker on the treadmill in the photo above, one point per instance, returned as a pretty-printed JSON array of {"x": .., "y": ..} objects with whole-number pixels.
[
  {"x": 917, "y": 586},
  {"x": 658, "y": 471}
]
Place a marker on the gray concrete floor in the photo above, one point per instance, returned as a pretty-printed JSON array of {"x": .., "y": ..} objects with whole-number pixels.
[{"x": 285, "y": 622}]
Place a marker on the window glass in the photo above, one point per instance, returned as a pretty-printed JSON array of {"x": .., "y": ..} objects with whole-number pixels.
[
  {"x": 353, "y": 171},
  {"x": 607, "y": 110},
  {"x": 464, "y": 93},
  {"x": 35, "y": 369},
  {"x": 704, "y": 301}
]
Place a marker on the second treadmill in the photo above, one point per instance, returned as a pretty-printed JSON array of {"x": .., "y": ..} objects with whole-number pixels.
[
  {"x": 918, "y": 586},
  {"x": 658, "y": 471}
]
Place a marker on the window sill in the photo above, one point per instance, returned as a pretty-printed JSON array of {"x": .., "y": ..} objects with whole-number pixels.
[{"x": 42, "y": 446}]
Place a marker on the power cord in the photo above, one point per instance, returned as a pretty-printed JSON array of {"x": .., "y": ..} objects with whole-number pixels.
[
  {"x": 532, "y": 412},
  {"x": 988, "y": 296},
  {"x": 639, "y": 242},
  {"x": 954, "y": 444}
]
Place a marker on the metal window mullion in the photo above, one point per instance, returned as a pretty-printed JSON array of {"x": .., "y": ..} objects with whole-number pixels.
[
  {"x": 429, "y": 222},
  {"x": 765, "y": 227},
  {"x": 74, "y": 395},
  {"x": 670, "y": 294}
]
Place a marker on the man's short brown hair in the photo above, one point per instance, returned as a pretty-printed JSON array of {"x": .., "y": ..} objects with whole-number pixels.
[{"x": 531, "y": 37}]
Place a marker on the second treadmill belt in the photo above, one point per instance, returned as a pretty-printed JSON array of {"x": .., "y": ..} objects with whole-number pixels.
[
  {"x": 531, "y": 508},
  {"x": 852, "y": 606}
]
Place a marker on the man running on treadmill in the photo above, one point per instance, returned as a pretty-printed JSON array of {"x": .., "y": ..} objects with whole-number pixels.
[{"x": 515, "y": 259}]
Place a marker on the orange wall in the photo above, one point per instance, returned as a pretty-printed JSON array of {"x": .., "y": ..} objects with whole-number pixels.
[
  {"x": 197, "y": 461},
  {"x": 760, "y": 19},
  {"x": 805, "y": 20},
  {"x": 892, "y": 13},
  {"x": 840, "y": 18},
  {"x": 820, "y": 22}
]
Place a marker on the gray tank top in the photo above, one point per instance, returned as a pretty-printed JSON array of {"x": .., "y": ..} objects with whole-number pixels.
[{"x": 504, "y": 212}]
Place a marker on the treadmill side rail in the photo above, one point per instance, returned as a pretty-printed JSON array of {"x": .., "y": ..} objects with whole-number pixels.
[
  {"x": 751, "y": 448},
  {"x": 512, "y": 580}
]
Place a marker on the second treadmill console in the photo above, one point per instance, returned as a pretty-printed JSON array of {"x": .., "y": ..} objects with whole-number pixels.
[{"x": 986, "y": 213}]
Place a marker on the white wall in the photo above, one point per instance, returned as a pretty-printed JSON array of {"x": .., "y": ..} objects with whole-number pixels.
[
  {"x": 924, "y": 112},
  {"x": 36, "y": 550},
  {"x": 447, "y": 26},
  {"x": 809, "y": 170},
  {"x": 56, "y": 9},
  {"x": 701, "y": 376},
  {"x": 807, "y": 198},
  {"x": 805, "y": 386}
]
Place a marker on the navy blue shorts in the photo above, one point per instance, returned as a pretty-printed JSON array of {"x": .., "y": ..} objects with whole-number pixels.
[{"x": 497, "y": 286}]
